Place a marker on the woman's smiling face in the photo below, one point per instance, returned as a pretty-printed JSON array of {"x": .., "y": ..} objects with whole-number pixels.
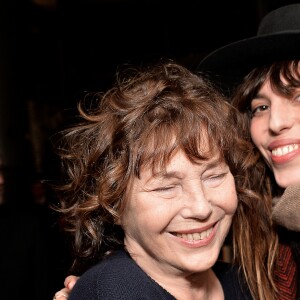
[
  {"x": 275, "y": 130},
  {"x": 176, "y": 222}
]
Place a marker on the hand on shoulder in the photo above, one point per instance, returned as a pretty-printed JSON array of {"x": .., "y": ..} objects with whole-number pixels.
[{"x": 64, "y": 293}]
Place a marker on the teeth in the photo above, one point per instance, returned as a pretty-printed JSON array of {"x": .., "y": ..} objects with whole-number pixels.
[
  {"x": 284, "y": 150},
  {"x": 195, "y": 236}
]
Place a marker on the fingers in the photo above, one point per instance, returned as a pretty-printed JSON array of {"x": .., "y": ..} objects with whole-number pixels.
[
  {"x": 70, "y": 281},
  {"x": 63, "y": 294}
]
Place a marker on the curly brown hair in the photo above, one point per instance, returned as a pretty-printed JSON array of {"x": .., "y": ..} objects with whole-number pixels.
[{"x": 148, "y": 114}]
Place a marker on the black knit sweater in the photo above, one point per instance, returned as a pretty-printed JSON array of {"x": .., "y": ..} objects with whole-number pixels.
[{"x": 119, "y": 278}]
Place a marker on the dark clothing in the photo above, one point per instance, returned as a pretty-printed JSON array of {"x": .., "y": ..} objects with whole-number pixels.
[
  {"x": 119, "y": 277},
  {"x": 287, "y": 277},
  {"x": 285, "y": 214},
  {"x": 295, "y": 245},
  {"x": 232, "y": 283}
]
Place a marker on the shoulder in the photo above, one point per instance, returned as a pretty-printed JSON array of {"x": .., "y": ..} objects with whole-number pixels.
[
  {"x": 232, "y": 282},
  {"x": 117, "y": 277}
]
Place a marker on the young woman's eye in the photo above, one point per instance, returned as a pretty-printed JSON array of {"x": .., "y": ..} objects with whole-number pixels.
[
  {"x": 259, "y": 109},
  {"x": 297, "y": 98}
]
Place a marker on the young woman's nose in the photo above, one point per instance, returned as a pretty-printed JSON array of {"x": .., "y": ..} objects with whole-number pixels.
[{"x": 281, "y": 116}]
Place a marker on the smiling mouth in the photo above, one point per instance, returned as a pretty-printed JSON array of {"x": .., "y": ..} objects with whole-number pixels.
[
  {"x": 285, "y": 150},
  {"x": 197, "y": 236}
]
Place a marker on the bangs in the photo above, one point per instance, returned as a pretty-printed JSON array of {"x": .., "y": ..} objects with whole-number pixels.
[
  {"x": 284, "y": 77},
  {"x": 159, "y": 144}
]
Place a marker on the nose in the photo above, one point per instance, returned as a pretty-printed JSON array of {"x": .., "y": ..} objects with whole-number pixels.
[
  {"x": 196, "y": 205},
  {"x": 281, "y": 116}
]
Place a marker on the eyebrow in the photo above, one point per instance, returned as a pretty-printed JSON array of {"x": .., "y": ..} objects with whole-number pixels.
[
  {"x": 175, "y": 174},
  {"x": 259, "y": 96}
]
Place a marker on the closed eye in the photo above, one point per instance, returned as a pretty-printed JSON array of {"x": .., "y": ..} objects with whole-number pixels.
[
  {"x": 215, "y": 180},
  {"x": 164, "y": 188},
  {"x": 167, "y": 192}
]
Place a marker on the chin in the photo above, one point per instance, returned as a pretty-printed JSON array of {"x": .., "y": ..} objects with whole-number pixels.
[
  {"x": 287, "y": 174},
  {"x": 285, "y": 182}
]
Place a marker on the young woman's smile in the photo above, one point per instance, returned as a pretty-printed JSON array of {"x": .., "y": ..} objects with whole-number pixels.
[{"x": 275, "y": 130}]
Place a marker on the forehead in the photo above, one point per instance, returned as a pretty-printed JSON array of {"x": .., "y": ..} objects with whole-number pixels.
[
  {"x": 179, "y": 162},
  {"x": 195, "y": 145}
]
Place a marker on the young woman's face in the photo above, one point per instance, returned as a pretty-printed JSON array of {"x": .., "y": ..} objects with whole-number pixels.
[
  {"x": 176, "y": 223},
  {"x": 275, "y": 130}
]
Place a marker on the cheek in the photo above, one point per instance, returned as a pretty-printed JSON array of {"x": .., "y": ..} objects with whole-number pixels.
[
  {"x": 232, "y": 202},
  {"x": 256, "y": 132},
  {"x": 230, "y": 199},
  {"x": 253, "y": 132},
  {"x": 145, "y": 213}
]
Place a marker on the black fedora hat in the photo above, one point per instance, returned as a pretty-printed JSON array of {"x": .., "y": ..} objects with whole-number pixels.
[{"x": 278, "y": 38}]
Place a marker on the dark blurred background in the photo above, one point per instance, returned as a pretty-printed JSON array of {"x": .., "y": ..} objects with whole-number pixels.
[{"x": 51, "y": 52}]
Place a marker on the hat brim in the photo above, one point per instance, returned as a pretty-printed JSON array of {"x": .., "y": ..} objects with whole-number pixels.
[{"x": 228, "y": 65}]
